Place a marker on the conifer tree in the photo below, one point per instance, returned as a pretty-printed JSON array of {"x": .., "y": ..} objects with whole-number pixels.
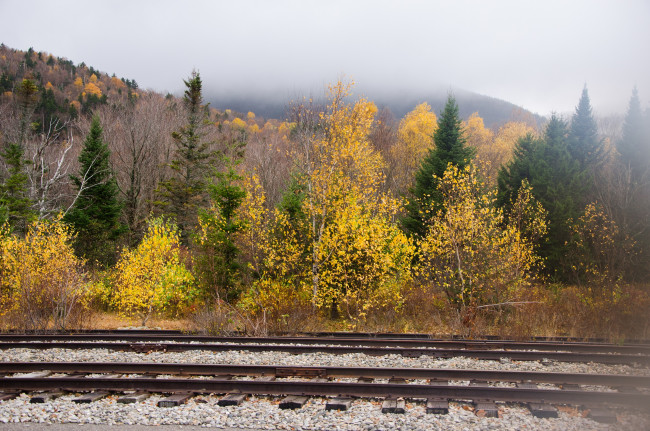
[
  {"x": 15, "y": 205},
  {"x": 184, "y": 193},
  {"x": 583, "y": 142},
  {"x": 633, "y": 147},
  {"x": 557, "y": 182},
  {"x": 426, "y": 200},
  {"x": 96, "y": 210}
]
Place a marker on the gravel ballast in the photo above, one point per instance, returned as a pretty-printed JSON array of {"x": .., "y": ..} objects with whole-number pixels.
[{"x": 263, "y": 412}]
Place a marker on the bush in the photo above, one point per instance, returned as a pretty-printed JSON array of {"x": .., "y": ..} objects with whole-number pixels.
[
  {"x": 152, "y": 278},
  {"x": 42, "y": 283}
]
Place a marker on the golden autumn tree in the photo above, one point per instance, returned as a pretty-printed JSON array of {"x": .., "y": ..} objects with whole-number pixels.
[
  {"x": 470, "y": 251},
  {"x": 414, "y": 140},
  {"x": 481, "y": 138},
  {"x": 354, "y": 246}
]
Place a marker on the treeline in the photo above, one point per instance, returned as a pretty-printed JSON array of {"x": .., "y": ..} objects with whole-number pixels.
[{"x": 339, "y": 213}]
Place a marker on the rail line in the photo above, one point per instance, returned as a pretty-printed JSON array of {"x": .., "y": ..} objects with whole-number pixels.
[
  {"x": 577, "y": 347},
  {"x": 434, "y": 374},
  {"x": 516, "y": 355}
]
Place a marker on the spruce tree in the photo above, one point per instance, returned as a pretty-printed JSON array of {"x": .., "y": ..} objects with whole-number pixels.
[
  {"x": 15, "y": 204},
  {"x": 96, "y": 210},
  {"x": 184, "y": 193},
  {"x": 635, "y": 142},
  {"x": 426, "y": 200},
  {"x": 583, "y": 143},
  {"x": 557, "y": 183},
  {"x": 219, "y": 264}
]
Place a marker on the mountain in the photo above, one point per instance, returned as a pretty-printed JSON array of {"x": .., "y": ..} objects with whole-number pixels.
[{"x": 494, "y": 112}]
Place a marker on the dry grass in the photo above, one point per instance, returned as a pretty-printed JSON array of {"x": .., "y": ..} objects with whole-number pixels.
[{"x": 104, "y": 320}]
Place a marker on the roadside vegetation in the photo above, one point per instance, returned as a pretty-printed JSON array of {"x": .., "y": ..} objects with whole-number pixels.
[{"x": 125, "y": 206}]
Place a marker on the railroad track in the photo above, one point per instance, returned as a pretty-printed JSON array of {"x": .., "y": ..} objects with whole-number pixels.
[
  {"x": 435, "y": 387},
  {"x": 540, "y": 391},
  {"x": 605, "y": 354}
]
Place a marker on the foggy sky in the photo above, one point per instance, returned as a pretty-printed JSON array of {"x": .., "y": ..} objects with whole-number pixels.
[{"x": 537, "y": 54}]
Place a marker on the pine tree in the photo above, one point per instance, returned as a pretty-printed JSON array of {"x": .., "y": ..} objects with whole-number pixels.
[
  {"x": 219, "y": 264},
  {"x": 96, "y": 211},
  {"x": 583, "y": 143},
  {"x": 426, "y": 200},
  {"x": 185, "y": 192},
  {"x": 635, "y": 142},
  {"x": 15, "y": 205},
  {"x": 557, "y": 182}
]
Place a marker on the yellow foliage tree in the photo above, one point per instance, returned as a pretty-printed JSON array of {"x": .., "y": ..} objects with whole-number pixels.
[
  {"x": 414, "y": 140},
  {"x": 78, "y": 83},
  {"x": 238, "y": 123},
  {"x": 91, "y": 88},
  {"x": 152, "y": 278},
  {"x": 41, "y": 280},
  {"x": 469, "y": 251},
  {"x": 344, "y": 207}
]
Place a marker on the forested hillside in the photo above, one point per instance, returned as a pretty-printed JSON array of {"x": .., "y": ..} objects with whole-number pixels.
[{"x": 115, "y": 199}]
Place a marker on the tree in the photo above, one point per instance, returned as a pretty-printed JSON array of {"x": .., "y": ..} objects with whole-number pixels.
[
  {"x": 557, "y": 183},
  {"x": 185, "y": 192},
  {"x": 42, "y": 281},
  {"x": 152, "y": 278},
  {"x": 426, "y": 198},
  {"x": 583, "y": 142},
  {"x": 219, "y": 263},
  {"x": 470, "y": 250},
  {"x": 14, "y": 191},
  {"x": 634, "y": 146},
  {"x": 96, "y": 211},
  {"x": 414, "y": 140}
]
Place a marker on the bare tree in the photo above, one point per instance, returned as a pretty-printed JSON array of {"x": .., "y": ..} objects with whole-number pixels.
[{"x": 139, "y": 136}]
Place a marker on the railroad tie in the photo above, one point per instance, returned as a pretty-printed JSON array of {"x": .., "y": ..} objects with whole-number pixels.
[
  {"x": 482, "y": 407},
  {"x": 91, "y": 397},
  {"x": 133, "y": 398},
  {"x": 539, "y": 410},
  {"x": 43, "y": 397},
  {"x": 338, "y": 403},
  {"x": 293, "y": 402},
  {"x": 232, "y": 399},
  {"x": 175, "y": 400},
  {"x": 438, "y": 405},
  {"x": 6, "y": 396},
  {"x": 393, "y": 405},
  {"x": 602, "y": 415}
]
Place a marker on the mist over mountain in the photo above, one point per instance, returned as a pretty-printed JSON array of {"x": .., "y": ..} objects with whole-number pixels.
[{"x": 273, "y": 104}]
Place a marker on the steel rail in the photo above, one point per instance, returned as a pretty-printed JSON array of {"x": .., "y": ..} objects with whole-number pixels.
[
  {"x": 366, "y": 390},
  {"x": 340, "y": 334},
  {"x": 619, "y": 359},
  {"x": 324, "y": 372},
  {"x": 372, "y": 342}
]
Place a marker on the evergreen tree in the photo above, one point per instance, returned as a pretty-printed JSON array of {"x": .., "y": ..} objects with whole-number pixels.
[
  {"x": 583, "y": 143},
  {"x": 557, "y": 182},
  {"x": 633, "y": 147},
  {"x": 219, "y": 263},
  {"x": 426, "y": 200},
  {"x": 96, "y": 211},
  {"x": 15, "y": 205},
  {"x": 185, "y": 192},
  {"x": 633, "y": 210}
]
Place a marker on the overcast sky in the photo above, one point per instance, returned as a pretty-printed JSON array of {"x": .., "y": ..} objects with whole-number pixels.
[{"x": 537, "y": 54}]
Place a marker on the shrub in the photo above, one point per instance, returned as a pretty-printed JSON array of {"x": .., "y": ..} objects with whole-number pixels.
[
  {"x": 152, "y": 278},
  {"x": 42, "y": 282}
]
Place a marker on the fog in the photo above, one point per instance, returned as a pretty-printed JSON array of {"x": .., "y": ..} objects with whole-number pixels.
[{"x": 537, "y": 55}]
